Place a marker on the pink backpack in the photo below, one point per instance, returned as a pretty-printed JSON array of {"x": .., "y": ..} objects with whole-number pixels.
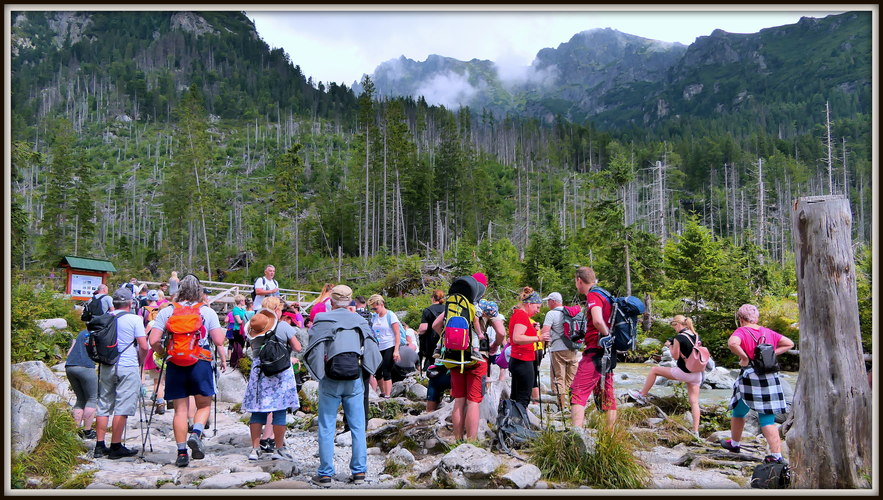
[{"x": 698, "y": 358}]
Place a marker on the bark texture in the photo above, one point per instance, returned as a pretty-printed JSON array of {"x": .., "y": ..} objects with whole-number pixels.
[{"x": 830, "y": 440}]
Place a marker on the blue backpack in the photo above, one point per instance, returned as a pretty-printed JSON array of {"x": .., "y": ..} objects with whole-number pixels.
[{"x": 623, "y": 323}]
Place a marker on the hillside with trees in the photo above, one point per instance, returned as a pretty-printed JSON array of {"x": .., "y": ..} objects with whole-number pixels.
[{"x": 181, "y": 140}]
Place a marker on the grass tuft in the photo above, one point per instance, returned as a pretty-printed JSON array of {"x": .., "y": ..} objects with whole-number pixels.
[
  {"x": 560, "y": 457},
  {"x": 55, "y": 457}
]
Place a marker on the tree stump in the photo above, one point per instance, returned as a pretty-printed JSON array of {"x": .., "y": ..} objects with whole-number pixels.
[{"x": 830, "y": 439}]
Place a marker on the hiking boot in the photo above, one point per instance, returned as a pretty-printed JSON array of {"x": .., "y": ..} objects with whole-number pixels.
[
  {"x": 159, "y": 407},
  {"x": 196, "y": 446},
  {"x": 728, "y": 445},
  {"x": 281, "y": 454},
  {"x": 183, "y": 459},
  {"x": 90, "y": 434},
  {"x": 121, "y": 452},
  {"x": 268, "y": 445},
  {"x": 769, "y": 459},
  {"x": 358, "y": 478},
  {"x": 637, "y": 396},
  {"x": 255, "y": 454},
  {"x": 100, "y": 451},
  {"x": 323, "y": 481}
]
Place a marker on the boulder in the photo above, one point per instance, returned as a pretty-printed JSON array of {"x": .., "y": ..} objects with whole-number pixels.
[
  {"x": 132, "y": 478},
  {"x": 399, "y": 388},
  {"x": 51, "y": 397},
  {"x": 344, "y": 439},
  {"x": 401, "y": 456},
  {"x": 418, "y": 392},
  {"x": 49, "y": 326},
  {"x": 311, "y": 389},
  {"x": 522, "y": 477},
  {"x": 719, "y": 378},
  {"x": 666, "y": 354},
  {"x": 587, "y": 440},
  {"x": 59, "y": 368},
  {"x": 466, "y": 466},
  {"x": 197, "y": 473},
  {"x": 28, "y": 420},
  {"x": 285, "y": 484},
  {"x": 491, "y": 401},
  {"x": 231, "y": 386},
  {"x": 37, "y": 370},
  {"x": 234, "y": 480}
]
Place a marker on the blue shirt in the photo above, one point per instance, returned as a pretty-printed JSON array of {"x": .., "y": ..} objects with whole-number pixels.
[{"x": 78, "y": 356}]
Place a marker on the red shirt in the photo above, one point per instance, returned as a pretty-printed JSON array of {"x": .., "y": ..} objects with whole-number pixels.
[
  {"x": 524, "y": 352},
  {"x": 748, "y": 344},
  {"x": 595, "y": 299}
]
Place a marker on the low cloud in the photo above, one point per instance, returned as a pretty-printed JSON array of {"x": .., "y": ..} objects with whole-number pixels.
[
  {"x": 448, "y": 89},
  {"x": 513, "y": 74}
]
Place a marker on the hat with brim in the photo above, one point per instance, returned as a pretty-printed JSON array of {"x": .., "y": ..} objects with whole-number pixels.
[{"x": 260, "y": 323}]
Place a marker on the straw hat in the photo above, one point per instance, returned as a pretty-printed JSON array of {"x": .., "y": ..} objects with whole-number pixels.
[{"x": 260, "y": 323}]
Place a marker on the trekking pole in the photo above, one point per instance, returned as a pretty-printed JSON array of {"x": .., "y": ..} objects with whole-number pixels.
[
  {"x": 162, "y": 370},
  {"x": 540, "y": 392},
  {"x": 215, "y": 397}
]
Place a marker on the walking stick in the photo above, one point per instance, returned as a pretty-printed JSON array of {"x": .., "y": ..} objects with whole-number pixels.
[
  {"x": 215, "y": 397},
  {"x": 162, "y": 370}
]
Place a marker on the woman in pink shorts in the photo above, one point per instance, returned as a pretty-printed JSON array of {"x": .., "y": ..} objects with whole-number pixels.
[{"x": 680, "y": 350}]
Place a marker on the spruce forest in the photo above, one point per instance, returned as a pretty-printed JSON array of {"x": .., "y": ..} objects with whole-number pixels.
[{"x": 181, "y": 141}]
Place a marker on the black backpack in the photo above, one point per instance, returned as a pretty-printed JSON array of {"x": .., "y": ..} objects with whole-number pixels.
[
  {"x": 513, "y": 427},
  {"x": 101, "y": 343},
  {"x": 764, "y": 361},
  {"x": 346, "y": 365},
  {"x": 274, "y": 356},
  {"x": 92, "y": 309},
  {"x": 771, "y": 476}
]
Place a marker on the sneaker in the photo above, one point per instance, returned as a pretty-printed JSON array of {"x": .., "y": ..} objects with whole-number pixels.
[
  {"x": 358, "y": 478},
  {"x": 769, "y": 459},
  {"x": 728, "y": 445},
  {"x": 183, "y": 459},
  {"x": 100, "y": 451},
  {"x": 90, "y": 434},
  {"x": 255, "y": 454},
  {"x": 196, "y": 446},
  {"x": 323, "y": 481},
  {"x": 121, "y": 452},
  {"x": 281, "y": 454},
  {"x": 268, "y": 445},
  {"x": 637, "y": 396}
]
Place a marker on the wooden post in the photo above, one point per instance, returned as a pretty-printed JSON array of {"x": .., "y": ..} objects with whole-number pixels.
[{"x": 830, "y": 440}]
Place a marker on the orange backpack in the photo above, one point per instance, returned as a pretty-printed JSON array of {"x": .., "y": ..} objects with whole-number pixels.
[{"x": 184, "y": 328}]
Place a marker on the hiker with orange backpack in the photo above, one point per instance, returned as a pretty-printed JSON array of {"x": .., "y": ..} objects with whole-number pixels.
[{"x": 182, "y": 334}]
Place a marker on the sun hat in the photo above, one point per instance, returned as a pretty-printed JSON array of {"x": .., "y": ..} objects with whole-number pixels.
[
  {"x": 341, "y": 295},
  {"x": 260, "y": 323}
]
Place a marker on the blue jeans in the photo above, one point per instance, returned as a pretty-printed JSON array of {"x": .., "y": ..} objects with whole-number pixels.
[{"x": 331, "y": 394}]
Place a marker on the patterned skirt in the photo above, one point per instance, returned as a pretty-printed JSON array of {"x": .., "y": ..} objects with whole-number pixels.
[{"x": 270, "y": 393}]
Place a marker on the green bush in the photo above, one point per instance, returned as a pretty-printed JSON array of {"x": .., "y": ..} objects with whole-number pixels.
[
  {"x": 55, "y": 457},
  {"x": 28, "y": 342}
]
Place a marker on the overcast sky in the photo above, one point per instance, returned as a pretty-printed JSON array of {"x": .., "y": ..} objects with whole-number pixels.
[{"x": 342, "y": 46}]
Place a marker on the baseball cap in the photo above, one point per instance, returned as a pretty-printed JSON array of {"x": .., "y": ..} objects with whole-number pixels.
[
  {"x": 153, "y": 295},
  {"x": 122, "y": 294},
  {"x": 341, "y": 295},
  {"x": 554, "y": 296}
]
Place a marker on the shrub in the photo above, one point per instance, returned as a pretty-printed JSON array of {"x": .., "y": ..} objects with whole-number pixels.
[
  {"x": 55, "y": 457},
  {"x": 28, "y": 342},
  {"x": 245, "y": 366}
]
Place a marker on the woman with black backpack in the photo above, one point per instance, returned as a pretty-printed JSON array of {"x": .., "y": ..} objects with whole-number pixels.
[{"x": 271, "y": 388}]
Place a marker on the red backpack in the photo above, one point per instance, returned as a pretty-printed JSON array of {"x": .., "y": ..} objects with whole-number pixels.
[{"x": 184, "y": 329}]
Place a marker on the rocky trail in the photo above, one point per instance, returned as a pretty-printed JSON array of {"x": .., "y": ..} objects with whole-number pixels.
[{"x": 407, "y": 449}]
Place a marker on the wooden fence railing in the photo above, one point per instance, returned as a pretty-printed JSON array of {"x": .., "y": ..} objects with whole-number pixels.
[{"x": 224, "y": 292}]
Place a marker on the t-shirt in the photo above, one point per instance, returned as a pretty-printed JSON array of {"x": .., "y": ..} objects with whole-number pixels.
[
  {"x": 318, "y": 308},
  {"x": 686, "y": 347},
  {"x": 524, "y": 352},
  {"x": 209, "y": 321},
  {"x": 748, "y": 343},
  {"x": 78, "y": 356},
  {"x": 595, "y": 299},
  {"x": 555, "y": 321},
  {"x": 284, "y": 332},
  {"x": 238, "y": 312},
  {"x": 404, "y": 334},
  {"x": 263, "y": 283},
  {"x": 430, "y": 337},
  {"x": 129, "y": 327},
  {"x": 106, "y": 303},
  {"x": 383, "y": 331}
]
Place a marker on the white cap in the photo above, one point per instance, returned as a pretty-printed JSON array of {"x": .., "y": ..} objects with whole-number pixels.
[{"x": 554, "y": 296}]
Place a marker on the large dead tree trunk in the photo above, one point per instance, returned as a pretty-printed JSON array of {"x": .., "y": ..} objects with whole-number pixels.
[{"x": 830, "y": 440}]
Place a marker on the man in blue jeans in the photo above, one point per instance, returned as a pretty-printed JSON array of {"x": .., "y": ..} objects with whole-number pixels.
[{"x": 343, "y": 338}]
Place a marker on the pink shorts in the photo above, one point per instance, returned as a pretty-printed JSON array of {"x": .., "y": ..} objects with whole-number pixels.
[
  {"x": 588, "y": 380},
  {"x": 681, "y": 375}
]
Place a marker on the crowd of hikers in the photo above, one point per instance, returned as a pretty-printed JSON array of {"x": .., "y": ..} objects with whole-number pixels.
[{"x": 171, "y": 342}]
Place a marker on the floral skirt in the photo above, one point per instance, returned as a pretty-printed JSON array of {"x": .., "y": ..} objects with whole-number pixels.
[{"x": 270, "y": 393}]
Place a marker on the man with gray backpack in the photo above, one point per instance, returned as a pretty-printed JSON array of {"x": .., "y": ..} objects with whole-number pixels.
[{"x": 340, "y": 351}]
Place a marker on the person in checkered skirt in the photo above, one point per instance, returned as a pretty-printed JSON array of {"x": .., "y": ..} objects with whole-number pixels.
[{"x": 761, "y": 393}]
